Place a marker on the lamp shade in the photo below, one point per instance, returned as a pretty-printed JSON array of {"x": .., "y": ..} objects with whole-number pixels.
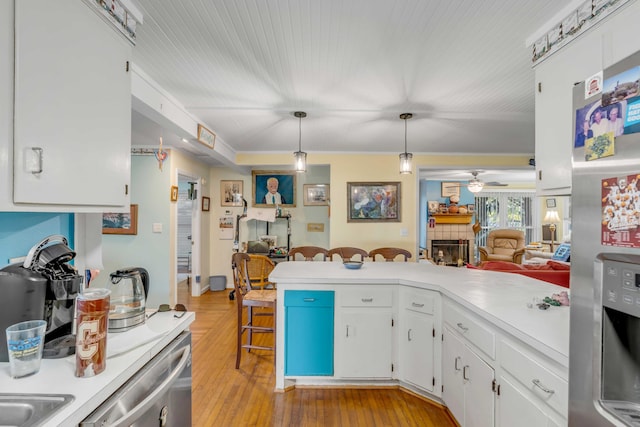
[
  {"x": 551, "y": 216},
  {"x": 300, "y": 156}
]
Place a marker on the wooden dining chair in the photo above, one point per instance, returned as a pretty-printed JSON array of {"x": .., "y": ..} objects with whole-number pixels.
[
  {"x": 259, "y": 267},
  {"x": 308, "y": 252},
  {"x": 390, "y": 254},
  {"x": 347, "y": 253},
  {"x": 252, "y": 299}
]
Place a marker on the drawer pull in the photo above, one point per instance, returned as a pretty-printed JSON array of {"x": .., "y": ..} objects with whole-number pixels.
[
  {"x": 347, "y": 331},
  {"x": 464, "y": 372},
  {"x": 409, "y": 335},
  {"x": 455, "y": 365},
  {"x": 461, "y": 326},
  {"x": 538, "y": 384},
  {"x": 415, "y": 304},
  {"x": 367, "y": 299},
  {"x": 309, "y": 300}
]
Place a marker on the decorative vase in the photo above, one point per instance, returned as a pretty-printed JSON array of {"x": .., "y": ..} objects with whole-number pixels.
[{"x": 453, "y": 209}]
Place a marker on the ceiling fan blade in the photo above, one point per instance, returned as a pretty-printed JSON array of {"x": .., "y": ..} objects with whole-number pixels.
[{"x": 495, "y": 184}]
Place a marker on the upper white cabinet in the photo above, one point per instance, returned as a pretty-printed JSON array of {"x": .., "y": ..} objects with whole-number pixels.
[
  {"x": 72, "y": 115},
  {"x": 609, "y": 42}
]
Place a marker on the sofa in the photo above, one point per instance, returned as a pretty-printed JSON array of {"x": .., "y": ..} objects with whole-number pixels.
[{"x": 554, "y": 272}]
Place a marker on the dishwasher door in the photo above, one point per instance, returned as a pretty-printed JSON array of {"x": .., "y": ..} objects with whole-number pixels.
[{"x": 157, "y": 395}]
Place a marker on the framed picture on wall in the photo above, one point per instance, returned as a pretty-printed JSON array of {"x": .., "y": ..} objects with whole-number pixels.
[
  {"x": 551, "y": 203},
  {"x": 373, "y": 201},
  {"x": 450, "y": 189},
  {"x": 121, "y": 222},
  {"x": 231, "y": 193},
  {"x": 271, "y": 188},
  {"x": 316, "y": 194},
  {"x": 206, "y": 202}
]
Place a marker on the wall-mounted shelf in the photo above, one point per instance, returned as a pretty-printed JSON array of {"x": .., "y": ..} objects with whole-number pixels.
[{"x": 452, "y": 218}]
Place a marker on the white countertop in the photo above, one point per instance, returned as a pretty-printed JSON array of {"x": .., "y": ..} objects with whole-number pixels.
[
  {"x": 501, "y": 298},
  {"x": 132, "y": 349}
]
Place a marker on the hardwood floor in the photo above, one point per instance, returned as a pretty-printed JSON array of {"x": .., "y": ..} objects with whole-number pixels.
[{"x": 224, "y": 396}]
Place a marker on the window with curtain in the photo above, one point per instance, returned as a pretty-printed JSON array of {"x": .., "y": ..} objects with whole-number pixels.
[{"x": 506, "y": 209}]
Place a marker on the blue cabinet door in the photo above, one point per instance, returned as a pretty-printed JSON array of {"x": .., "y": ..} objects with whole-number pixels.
[{"x": 308, "y": 339}]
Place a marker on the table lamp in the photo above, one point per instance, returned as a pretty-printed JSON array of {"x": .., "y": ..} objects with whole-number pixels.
[{"x": 552, "y": 217}]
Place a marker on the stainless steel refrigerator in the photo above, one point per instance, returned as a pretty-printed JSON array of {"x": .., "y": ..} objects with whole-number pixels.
[{"x": 604, "y": 370}]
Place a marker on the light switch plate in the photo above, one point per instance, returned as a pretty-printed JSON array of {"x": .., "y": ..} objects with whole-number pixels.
[
  {"x": 404, "y": 232},
  {"x": 157, "y": 227}
]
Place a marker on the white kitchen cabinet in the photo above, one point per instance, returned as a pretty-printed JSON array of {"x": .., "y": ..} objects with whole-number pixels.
[
  {"x": 419, "y": 349},
  {"x": 72, "y": 113},
  {"x": 527, "y": 384},
  {"x": 364, "y": 333},
  {"x": 554, "y": 81},
  {"x": 468, "y": 383}
]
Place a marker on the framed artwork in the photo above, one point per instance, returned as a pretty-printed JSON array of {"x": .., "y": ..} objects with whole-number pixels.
[
  {"x": 271, "y": 188},
  {"x": 206, "y": 203},
  {"x": 471, "y": 208},
  {"x": 206, "y": 137},
  {"x": 373, "y": 201},
  {"x": 174, "y": 193},
  {"x": 433, "y": 206},
  {"x": 450, "y": 189},
  {"x": 231, "y": 193},
  {"x": 316, "y": 194},
  {"x": 551, "y": 203},
  {"x": 121, "y": 222}
]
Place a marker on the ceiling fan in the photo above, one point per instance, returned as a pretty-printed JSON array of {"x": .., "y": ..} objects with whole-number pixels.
[{"x": 475, "y": 185}]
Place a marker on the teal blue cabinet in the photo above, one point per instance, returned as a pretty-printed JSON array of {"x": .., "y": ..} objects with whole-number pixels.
[{"x": 308, "y": 336}]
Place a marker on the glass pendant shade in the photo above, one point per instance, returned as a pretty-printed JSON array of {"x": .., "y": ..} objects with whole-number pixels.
[
  {"x": 300, "y": 156},
  {"x": 405, "y": 158},
  {"x": 301, "y": 161},
  {"x": 405, "y": 162}
]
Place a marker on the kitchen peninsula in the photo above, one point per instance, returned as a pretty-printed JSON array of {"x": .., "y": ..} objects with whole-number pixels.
[
  {"x": 473, "y": 340},
  {"x": 127, "y": 353}
]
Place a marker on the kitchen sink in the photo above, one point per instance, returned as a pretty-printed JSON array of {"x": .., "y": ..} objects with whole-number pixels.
[{"x": 30, "y": 410}]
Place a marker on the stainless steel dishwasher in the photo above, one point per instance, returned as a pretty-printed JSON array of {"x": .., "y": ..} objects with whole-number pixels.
[{"x": 157, "y": 395}]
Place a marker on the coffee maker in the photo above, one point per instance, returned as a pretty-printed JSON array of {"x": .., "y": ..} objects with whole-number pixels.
[{"x": 45, "y": 286}]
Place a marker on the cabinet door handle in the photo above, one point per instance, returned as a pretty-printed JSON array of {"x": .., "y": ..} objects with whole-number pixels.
[
  {"x": 461, "y": 326},
  {"x": 409, "y": 335},
  {"x": 33, "y": 161},
  {"x": 367, "y": 299},
  {"x": 455, "y": 364},
  {"x": 415, "y": 304},
  {"x": 309, "y": 299},
  {"x": 347, "y": 331},
  {"x": 464, "y": 372},
  {"x": 538, "y": 384}
]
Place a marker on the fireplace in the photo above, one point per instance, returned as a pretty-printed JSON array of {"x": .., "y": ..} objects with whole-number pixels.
[{"x": 452, "y": 251}]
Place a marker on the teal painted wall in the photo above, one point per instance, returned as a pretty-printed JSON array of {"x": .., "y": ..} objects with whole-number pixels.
[
  {"x": 19, "y": 231},
  {"x": 150, "y": 191}
]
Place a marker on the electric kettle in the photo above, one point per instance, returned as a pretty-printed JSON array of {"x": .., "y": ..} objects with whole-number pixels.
[{"x": 129, "y": 287}]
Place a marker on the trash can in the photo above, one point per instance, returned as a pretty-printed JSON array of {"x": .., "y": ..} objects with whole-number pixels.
[{"x": 217, "y": 283}]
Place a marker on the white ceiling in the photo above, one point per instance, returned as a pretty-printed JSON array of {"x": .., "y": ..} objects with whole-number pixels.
[{"x": 244, "y": 66}]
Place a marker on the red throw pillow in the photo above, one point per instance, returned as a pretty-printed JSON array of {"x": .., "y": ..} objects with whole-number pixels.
[{"x": 558, "y": 265}]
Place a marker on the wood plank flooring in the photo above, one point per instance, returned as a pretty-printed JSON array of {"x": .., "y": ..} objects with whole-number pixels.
[{"x": 224, "y": 396}]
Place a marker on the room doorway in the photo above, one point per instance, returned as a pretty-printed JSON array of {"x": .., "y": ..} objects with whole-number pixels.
[{"x": 188, "y": 236}]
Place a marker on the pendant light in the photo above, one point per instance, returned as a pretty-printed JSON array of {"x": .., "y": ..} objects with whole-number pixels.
[
  {"x": 405, "y": 158},
  {"x": 300, "y": 156}
]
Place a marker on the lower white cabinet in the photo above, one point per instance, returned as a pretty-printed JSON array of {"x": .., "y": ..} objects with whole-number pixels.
[
  {"x": 364, "y": 333},
  {"x": 467, "y": 383},
  {"x": 515, "y": 408},
  {"x": 419, "y": 348}
]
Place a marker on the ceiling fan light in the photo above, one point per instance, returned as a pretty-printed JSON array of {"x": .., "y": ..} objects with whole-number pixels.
[
  {"x": 475, "y": 186},
  {"x": 405, "y": 163}
]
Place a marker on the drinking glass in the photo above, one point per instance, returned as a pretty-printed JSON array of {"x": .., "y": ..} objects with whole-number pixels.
[{"x": 25, "y": 341}]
